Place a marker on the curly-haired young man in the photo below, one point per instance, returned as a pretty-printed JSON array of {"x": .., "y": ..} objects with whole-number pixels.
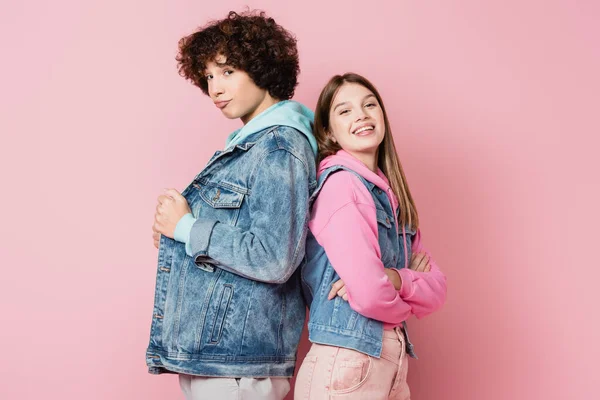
[{"x": 228, "y": 309}]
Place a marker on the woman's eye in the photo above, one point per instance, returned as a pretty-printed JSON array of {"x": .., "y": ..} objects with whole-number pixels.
[
  {"x": 208, "y": 77},
  {"x": 370, "y": 105},
  {"x": 228, "y": 72},
  {"x": 344, "y": 112}
]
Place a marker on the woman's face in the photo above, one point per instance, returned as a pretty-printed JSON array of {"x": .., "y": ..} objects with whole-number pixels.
[{"x": 356, "y": 120}]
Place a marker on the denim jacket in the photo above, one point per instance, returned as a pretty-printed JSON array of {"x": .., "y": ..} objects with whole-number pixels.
[
  {"x": 235, "y": 308},
  {"x": 334, "y": 322}
]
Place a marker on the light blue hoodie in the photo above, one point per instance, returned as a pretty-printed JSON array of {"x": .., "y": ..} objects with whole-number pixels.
[{"x": 284, "y": 113}]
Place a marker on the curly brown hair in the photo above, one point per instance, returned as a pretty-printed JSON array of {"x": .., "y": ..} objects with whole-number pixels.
[{"x": 249, "y": 41}]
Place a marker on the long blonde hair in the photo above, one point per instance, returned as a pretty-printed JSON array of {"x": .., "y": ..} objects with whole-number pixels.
[{"x": 387, "y": 159}]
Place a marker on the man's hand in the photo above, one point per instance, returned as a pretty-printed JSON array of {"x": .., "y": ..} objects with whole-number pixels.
[
  {"x": 171, "y": 207},
  {"x": 155, "y": 237}
]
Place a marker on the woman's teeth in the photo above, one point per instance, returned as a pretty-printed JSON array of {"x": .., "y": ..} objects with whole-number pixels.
[{"x": 366, "y": 128}]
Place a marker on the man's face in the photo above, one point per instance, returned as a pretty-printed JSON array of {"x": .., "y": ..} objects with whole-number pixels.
[{"x": 233, "y": 91}]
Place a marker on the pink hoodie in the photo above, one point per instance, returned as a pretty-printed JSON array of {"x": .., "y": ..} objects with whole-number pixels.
[{"x": 344, "y": 222}]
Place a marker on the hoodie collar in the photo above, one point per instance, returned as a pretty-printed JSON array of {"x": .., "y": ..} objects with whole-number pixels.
[
  {"x": 284, "y": 113},
  {"x": 374, "y": 179}
]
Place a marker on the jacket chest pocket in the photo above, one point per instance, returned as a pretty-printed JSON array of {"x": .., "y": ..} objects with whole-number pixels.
[
  {"x": 386, "y": 231},
  {"x": 217, "y": 201}
]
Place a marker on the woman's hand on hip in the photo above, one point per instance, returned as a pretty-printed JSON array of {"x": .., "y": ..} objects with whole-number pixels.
[{"x": 338, "y": 288}]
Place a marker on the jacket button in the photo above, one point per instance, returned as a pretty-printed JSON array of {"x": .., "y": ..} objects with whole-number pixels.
[{"x": 379, "y": 191}]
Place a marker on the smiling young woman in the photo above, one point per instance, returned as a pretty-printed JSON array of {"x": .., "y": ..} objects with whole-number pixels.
[{"x": 366, "y": 271}]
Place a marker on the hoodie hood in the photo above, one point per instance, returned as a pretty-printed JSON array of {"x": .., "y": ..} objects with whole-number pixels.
[
  {"x": 345, "y": 159},
  {"x": 284, "y": 113}
]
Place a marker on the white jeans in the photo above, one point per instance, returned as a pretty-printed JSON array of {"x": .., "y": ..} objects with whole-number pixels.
[{"x": 204, "y": 388}]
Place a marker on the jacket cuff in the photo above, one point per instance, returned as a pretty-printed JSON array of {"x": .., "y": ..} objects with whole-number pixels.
[{"x": 200, "y": 237}]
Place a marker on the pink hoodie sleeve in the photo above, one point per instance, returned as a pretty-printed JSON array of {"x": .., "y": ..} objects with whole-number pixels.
[
  {"x": 424, "y": 291},
  {"x": 344, "y": 222}
]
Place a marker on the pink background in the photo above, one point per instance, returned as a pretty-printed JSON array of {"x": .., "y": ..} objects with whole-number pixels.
[{"x": 495, "y": 107}]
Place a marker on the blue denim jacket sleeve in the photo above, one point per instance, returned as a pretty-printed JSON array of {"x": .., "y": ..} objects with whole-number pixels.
[{"x": 272, "y": 246}]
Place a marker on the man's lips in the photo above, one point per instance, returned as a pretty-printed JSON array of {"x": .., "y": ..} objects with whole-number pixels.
[{"x": 221, "y": 104}]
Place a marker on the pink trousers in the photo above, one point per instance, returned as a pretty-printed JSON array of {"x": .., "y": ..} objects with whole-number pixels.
[{"x": 330, "y": 372}]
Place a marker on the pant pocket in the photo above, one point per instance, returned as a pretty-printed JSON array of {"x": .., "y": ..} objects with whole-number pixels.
[{"x": 351, "y": 370}]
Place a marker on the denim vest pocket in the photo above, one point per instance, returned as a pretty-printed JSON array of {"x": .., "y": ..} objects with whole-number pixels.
[
  {"x": 383, "y": 219},
  {"x": 410, "y": 234},
  {"x": 385, "y": 224},
  {"x": 342, "y": 316}
]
